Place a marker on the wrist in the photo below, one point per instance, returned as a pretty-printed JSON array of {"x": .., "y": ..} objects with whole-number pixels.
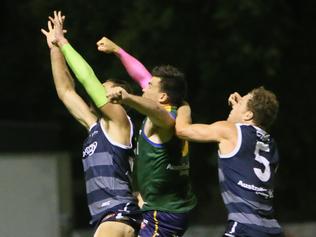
[
  {"x": 61, "y": 42},
  {"x": 119, "y": 51},
  {"x": 54, "y": 48},
  {"x": 127, "y": 98}
]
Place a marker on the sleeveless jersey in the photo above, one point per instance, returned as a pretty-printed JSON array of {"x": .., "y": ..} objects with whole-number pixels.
[
  {"x": 107, "y": 174},
  {"x": 161, "y": 174},
  {"x": 246, "y": 178}
]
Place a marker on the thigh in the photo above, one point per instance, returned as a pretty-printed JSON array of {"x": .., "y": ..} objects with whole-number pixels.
[
  {"x": 114, "y": 229},
  {"x": 163, "y": 224}
]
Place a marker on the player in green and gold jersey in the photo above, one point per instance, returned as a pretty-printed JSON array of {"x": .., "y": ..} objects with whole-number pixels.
[{"x": 161, "y": 168}]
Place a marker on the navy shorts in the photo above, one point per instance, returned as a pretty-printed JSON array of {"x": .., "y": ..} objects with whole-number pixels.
[
  {"x": 132, "y": 217},
  {"x": 235, "y": 229},
  {"x": 163, "y": 224}
]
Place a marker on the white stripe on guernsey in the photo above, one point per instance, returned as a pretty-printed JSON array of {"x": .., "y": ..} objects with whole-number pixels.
[
  {"x": 221, "y": 176},
  {"x": 229, "y": 197},
  {"x": 233, "y": 229},
  {"x": 253, "y": 220},
  {"x": 102, "y": 158},
  {"x": 92, "y": 126},
  {"x": 236, "y": 149},
  {"x": 116, "y": 143},
  {"x": 260, "y": 130},
  {"x": 101, "y": 182}
]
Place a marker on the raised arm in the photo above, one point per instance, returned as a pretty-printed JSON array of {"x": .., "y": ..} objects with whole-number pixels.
[
  {"x": 64, "y": 83},
  {"x": 134, "y": 68},
  {"x": 78, "y": 65},
  {"x": 156, "y": 113}
]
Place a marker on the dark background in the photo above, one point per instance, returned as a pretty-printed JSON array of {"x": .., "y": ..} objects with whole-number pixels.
[{"x": 222, "y": 46}]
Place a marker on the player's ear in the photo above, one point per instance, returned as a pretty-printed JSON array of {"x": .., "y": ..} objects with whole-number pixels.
[
  {"x": 163, "y": 98},
  {"x": 248, "y": 116}
]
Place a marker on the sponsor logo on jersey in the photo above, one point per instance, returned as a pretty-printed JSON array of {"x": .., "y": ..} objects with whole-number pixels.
[
  {"x": 267, "y": 193},
  {"x": 89, "y": 150},
  {"x": 183, "y": 169}
]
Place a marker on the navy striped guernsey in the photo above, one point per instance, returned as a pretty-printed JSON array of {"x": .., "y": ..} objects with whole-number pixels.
[
  {"x": 107, "y": 174},
  {"x": 246, "y": 178}
]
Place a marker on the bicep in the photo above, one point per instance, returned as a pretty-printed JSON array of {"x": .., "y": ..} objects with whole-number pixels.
[
  {"x": 162, "y": 119},
  {"x": 214, "y": 132},
  {"x": 78, "y": 109},
  {"x": 115, "y": 113}
]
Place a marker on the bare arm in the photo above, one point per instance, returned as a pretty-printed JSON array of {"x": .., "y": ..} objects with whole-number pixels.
[
  {"x": 215, "y": 132},
  {"x": 64, "y": 83},
  {"x": 86, "y": 76},
  {"x": 156, "y": 113}
]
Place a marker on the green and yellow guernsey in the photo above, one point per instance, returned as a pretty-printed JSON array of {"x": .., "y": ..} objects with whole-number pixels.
[{"x": 161, "y": 174}]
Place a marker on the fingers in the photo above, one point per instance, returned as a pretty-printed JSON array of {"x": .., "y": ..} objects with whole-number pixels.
[
  {"x": 101, "y": 41},
  {"x": 44, "y": 32},
  {"x": 115, "y": 95},
  {"x": 60, "y": 18},
  {"x": 57, "y": 18},
  {"x": 49, "y": 24},
  {"x": 233, "y": 99},
  {"x": 55, "y": 15}
]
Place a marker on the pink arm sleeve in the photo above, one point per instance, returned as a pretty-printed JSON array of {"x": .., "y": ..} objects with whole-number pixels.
[{"x": 135, "y": 69}]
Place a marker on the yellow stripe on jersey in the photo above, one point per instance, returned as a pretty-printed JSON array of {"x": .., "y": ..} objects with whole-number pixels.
[
  {"x": 156, "y": 224},
  {"x": 185, "y": 148}
]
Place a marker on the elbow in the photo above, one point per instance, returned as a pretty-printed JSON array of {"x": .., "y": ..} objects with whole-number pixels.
[
  {"x": 181, "y": 132},
  {"x": 63, "y": 95}
]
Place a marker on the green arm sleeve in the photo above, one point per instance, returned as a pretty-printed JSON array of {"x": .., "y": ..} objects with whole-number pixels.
[{"x": 85, "y": 75}]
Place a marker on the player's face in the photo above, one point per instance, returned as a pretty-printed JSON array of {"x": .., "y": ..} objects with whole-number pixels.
[
  {"x": 152, "y": 91},
  {"x": 239, "y": 110}
]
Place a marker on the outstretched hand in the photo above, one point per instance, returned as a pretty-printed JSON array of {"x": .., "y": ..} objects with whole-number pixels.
[
  {"x": 58, "y": 21},
  {"x": 50, "y": 33},
  {"x": 107, "y": 46}
]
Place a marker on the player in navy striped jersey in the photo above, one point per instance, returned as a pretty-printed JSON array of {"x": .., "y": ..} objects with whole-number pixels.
[
  {"x": 106, "y": 151},
  {"x": 248, "y": 160}
]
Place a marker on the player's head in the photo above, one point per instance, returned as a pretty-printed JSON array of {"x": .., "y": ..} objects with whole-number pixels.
[
  {"x": 264, "y": 105},
  {"x": 258, "y": 107},
  {"x": 111, "y": 82},
  {"x": 167, "y": 86}
]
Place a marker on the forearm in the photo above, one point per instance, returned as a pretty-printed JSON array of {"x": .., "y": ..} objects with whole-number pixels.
[
  {"x": 214, "y": 132},
  {"x": 190, "y": 132},
  {"x": 85, "y": 75},
  {"x": 134, "y": 68},
  {"x": 61, "y": 75},
  {"x": 157, "y": 114}
]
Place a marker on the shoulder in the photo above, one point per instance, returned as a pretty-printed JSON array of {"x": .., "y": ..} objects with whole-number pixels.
[{"x": 226, "y": 128}]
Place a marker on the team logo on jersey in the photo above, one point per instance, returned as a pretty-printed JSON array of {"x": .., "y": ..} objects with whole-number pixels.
[{"x": 89, "y": 150}]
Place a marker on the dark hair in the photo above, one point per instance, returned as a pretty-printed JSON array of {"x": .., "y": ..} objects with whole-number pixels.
[
  {"x": 265, "y": 107},
  {"x": 172, "y": 82},
  {"x": 121, "y": 83}
]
